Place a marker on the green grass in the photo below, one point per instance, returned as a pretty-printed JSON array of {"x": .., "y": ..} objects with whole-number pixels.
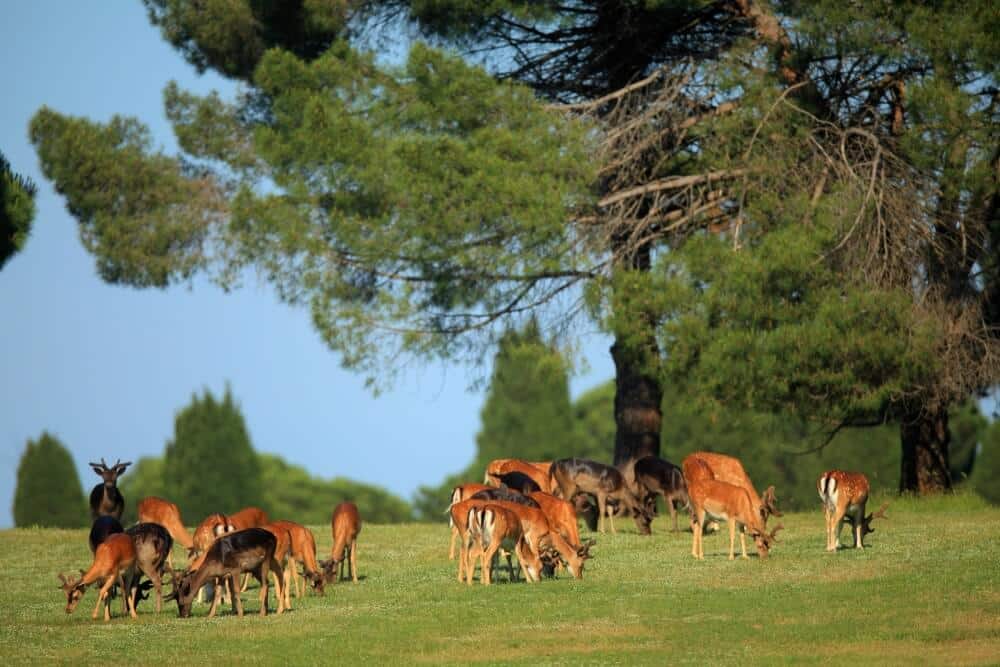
[{"x": 927, "y": 591}]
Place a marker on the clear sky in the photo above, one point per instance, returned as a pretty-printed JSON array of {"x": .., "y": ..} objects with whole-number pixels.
[{"x": 105, "y": 368}]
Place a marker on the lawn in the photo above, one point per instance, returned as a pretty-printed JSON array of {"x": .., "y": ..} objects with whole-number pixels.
[{"x": 926, "y": 591}]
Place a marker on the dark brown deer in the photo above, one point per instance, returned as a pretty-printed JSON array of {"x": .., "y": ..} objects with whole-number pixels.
[
  {"x": 518, "y": 481},
  {"x": 102, "y": 528},
  {"x": 105, "y": 498},
  {"x": 662, "y": 478},
  {"x": 573, "y": 476},
  {"x": 251, "y": 550},
  {"x": 152, "y": 544}
]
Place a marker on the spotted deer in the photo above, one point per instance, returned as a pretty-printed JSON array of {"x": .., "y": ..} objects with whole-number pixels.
[
  {"x": 729, "y": 469},
  {"x": 724, "y": 501},
  {"x": 844, "y": 495}
]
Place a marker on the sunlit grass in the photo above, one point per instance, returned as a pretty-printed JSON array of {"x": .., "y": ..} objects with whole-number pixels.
[{"x": 927, "y": 590}]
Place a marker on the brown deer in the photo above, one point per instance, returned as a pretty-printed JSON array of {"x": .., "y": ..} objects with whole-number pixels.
[
  {"x": 844, "y": 496},
  {"x": 538, "y": 472},
  {"x": 465, "y": 516},
  {"x": 458, "y": 494},
  {"x": 658, "y": 477},
  {"x": 105, "y": 498},
  {"x": 303, "y": 550},
  {"x": 208, "y": 531},
  {"x": 113, "y": 563},
  {"x": 572, "y": 476},
  {"x": 729, "y": 469},
  {"x": 345, "y": 526},
  {"x": 497, "y": 466},
  {"x": 724, "y": 501},
  {"x": 157, "y": 510},
  {"x": 152, "y": 544},
  {"x": 281, "y": 552},
  {"x": 248, "y": 517},
  {"x": 500, "y": 527},
  {"x": 251, "y": 550}
]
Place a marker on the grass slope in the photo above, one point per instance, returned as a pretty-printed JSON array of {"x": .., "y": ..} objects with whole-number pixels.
[{"x": 926, "y": 591}]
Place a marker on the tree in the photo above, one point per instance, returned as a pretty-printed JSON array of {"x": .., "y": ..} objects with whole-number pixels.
[
  {"x": 48, "y": 488},
  {"x": 144, "y": 478},
  {"x": 210, "y": 465},
  {"x": 526, "y": 414},
  {"x": 17, "y": 210},
  {"x": 425, "y": 208}
]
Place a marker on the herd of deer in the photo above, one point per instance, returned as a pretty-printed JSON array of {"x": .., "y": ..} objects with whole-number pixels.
[
  {"x": 528, "y": 509},
  {"x": 222, "y": 548}
]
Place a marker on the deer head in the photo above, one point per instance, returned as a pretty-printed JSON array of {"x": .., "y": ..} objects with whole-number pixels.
[
  {"x": 74, "y": 590},
  {"x": 880, "y": 514},
  {"x": 110, "y": 475},
  {"x": 182, "y": 592},
  {"x": 317, "y": 581},
  {"x": 765, "y": 541},
  {"x": 329, "y": 569},
  {"x": 583, "y": 551}
]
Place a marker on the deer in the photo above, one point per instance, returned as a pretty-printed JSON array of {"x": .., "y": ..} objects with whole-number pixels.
[
  {"x": 844, "y": 495},
  {"x": 157, "y": 510},
  {"x": 281, "y": 551},
  {"x": 114, "y": 561},
  {"x": 500, "y": 527},
  {"x": 152, "y": 544},
  {"x": 725, "y": 501},
  {"x": 345, "y": 526},
  {"x": 303, "y": 550},
  {"x": 208, "y": 531},
  {"x": 251, "y": 550},
  {"x": 105, "y": 498},
  {"x": 497, "y": 466},
  {"x": 572, "y": 476},
  {"x": 248, "y": 517},
  {"x": 729, "y": 469},
  {"x": 102, "y": 528},
  {"x": 659, "y": 477},
  {"x": 516, "y": 480},
  {"x": 458, "y": 494},
  {"x": 506, "y": 494},
  {"x": 538, "y": 472},
  {"x": 466, "y": 518}
]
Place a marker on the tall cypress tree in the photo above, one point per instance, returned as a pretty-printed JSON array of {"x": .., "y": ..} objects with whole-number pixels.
[
  {"x": 48, "y": 487},
  {"x": 210, "y": 465}
]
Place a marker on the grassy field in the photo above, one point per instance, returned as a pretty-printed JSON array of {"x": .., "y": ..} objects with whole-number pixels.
[{"x": 927, "y": 591}]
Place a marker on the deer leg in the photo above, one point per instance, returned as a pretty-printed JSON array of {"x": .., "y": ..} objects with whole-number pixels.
[
  {"x": 354, "y": 561},
  {"x": 487, "y": 556},
  {"x": 216, "y": 596},
  {"x": 601, "y": 509},
  {"x": 732, "y": 539},
  {"x": 451, "y": 545},
  {"x": 279, "y": 590},
  {"x": 237, "y": 599},
  {"x": 673, "y": 511},
  {"x": 743, "y": 543},
  {"x": 246, "y": 583}
]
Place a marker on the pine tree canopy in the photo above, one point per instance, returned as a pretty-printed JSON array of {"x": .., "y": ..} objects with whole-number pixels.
[
  {"x": 48, "y": 487},
  {"x": 17, "y": 210}
]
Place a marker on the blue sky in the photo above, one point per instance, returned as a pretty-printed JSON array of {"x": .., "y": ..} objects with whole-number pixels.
[{"x": 105, "y": 368}]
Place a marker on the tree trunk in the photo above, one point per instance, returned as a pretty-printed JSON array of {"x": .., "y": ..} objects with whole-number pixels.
[
  {"x": 637, "y": 405},
  {"x": 925, "y": 439}
]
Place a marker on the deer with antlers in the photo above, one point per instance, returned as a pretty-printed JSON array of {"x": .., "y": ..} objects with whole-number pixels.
[
  {"x": 606, "y": 483},
  {"x": 729, "y": 469},
  {"x": 844, "y": 495},
  {"x": 105, "y": 498},
  {"x": 724, "y": 501},
  {"x": 114, "y": 561}
]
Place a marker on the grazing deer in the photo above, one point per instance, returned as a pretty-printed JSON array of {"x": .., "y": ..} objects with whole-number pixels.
[
  {"x": 152, "y": 544},
  {"x": 105, "y": 498},
  {"x": 538, "y": 472},
  {"x": 303, "y": 550},
  {"x": 345, "y": 525},
  {"x": 251, "y": 550},
  {"x": 844, "y": 496},
  {"x": 113, "y": 563},
  {"x": 281, "y": 552},
  {"x": 500, "y": 527},
  {"x": 729, "y": 469},
  {"x": 509, "y": 495},
  {"x": 157, "y": 510},
  {"x": 248, "y": 517},
  {"x": 458, "y": 494},
  {"x": 561, "y": 515},
  {"x": 724, "y": 501},
  {"x": 572, "y": 476},
  {"x": 659, "y": 477},
  {"x": 498, "y": 465},
  {"x": 208, "y": 531},
  {"x": 545, "y": 541},
  {"x": 517, "y": 481},
  {"x": 465, "y": 516},
  {"x": 103, "y": 527}
]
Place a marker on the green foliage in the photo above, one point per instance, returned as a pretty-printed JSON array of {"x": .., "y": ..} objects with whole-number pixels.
[
  {"x": 231, "y": 37},
  {"x": 290, "y": 492},
  {"x": 986, "y": 473},
  {"x": 210, "y": 465},
  {"x": 17, "y": 210},
  {"x": 144, "y": 478},
  {"x": 526, "y": 415},
  {"x": 48, "y": 488}
]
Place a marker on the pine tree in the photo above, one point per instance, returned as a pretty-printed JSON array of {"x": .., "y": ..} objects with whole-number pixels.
[
  {"x": 17, "y": 210},
  {"x": 48, "y": 487},
  {"x": 210, "y": 465}
]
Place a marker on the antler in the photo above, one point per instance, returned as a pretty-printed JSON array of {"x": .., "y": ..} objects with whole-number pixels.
[
  {"x": 771, "y": 536},
  {"x": 770, "y": 501}
]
